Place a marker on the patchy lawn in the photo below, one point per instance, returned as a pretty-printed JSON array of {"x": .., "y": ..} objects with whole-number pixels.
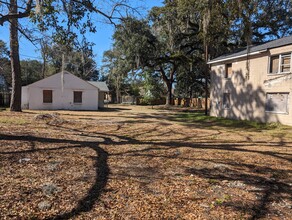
[{"x": 133, "y": 162}]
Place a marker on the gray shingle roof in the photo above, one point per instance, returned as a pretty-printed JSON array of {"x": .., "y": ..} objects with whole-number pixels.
[
  {"x": 263, "y": 47},
  {"x": 101, "y": 85}
]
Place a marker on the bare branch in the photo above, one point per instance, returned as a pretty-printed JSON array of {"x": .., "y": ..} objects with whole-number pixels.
[
  {"x": 110, "y": 17},
  {"x": 26, "y": 36}
]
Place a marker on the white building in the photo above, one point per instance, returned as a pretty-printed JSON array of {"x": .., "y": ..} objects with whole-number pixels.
[
  {"x": 103, "y": 89},
  {"x": 64, "y": 91}
]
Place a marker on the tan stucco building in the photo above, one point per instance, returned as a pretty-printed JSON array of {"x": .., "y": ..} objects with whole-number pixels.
[{"x": 254, "y": 84}]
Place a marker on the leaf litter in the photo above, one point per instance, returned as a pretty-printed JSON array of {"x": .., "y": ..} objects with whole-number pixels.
[{"x": 68, "y": 166}]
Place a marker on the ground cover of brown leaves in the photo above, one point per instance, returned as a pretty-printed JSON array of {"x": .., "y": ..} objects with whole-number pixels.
[{"x": 132, "y": 162}]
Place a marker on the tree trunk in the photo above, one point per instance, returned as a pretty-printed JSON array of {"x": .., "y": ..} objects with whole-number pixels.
[
  {"x": 169, "y": 93},
  {"x": 15, "y": 104},
  {"x": 43, "y": 69},
  {"x": 118, "y": 97},
  {"x": 191, "y": 93},
  {"x": 118, "y": 93},
  {"x": 206, "y": 79},
  {"x": 43, "y": 52},
  {"x": 168, "y": 82}
]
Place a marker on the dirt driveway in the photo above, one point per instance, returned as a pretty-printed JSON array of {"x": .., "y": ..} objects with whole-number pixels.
[{"x": 135, "y": 162}]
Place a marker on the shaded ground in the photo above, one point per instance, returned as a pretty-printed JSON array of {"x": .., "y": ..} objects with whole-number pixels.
[{"x": 132, "y": 162}]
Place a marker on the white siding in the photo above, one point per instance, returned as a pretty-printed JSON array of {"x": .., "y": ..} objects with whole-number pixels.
[
  {"x": 24, "y": 97},
  {"x": 62, "y": 98}
]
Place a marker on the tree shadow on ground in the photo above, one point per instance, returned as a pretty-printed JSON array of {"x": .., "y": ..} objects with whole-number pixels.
[
  {"x": 102, "y": 169},
  {"x": 199, "y": 120},
  {"x": 114, "y": 109},
  {"x": 270, "y": 189}
]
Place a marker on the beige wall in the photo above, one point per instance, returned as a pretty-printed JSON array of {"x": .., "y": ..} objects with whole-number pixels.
[{"x": 248, "y": 89}]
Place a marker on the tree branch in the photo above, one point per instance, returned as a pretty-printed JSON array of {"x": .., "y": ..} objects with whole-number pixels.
[
  {"x": 7, "y": 3},
  {"x": 23, "y": 14}
]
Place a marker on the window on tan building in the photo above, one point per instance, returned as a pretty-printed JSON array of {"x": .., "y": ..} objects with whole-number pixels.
[
  {"x": 77, "y": 97},
  {"x": 228, "y": 70},
  {"x": 47, "y": 96},
  {"x": 277, "y": 102},
  {"x": 280, "y": 64},
  {"x": 226, "y": 100}
]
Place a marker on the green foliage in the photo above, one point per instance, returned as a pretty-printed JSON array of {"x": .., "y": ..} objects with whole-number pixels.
[
  {"x": 30, "y": 71},
  {"x": 5, "y": 68},
  {"x": 78, "y": 60},
  {"x": 65, "y": 19},
  {"x": 259, "y": 20},
  {"x": 190, "y": 80},
  {"x": 135, "y": 41},
  {"x": 4, "y": 53},
  {"x": 154, "y": 46},
  {"x": 152, "y": 85},
  {"x": 116, "y": 68}
]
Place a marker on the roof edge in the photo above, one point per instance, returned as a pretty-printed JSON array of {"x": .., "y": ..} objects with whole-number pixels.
[
  {"x": 101, "y": 90},
  {"x": 236, "y": 57}
]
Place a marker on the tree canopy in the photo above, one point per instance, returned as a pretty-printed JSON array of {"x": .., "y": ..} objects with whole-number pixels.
[
  {"x": 65, "y": 20},
  {"x": 177, "y": 39},
  {"x": 173, "y": 42}
]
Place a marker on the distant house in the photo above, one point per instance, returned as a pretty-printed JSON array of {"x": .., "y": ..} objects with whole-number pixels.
[
  {"x": 254, "y": 84},
  {"x": 63, "y": 91}
]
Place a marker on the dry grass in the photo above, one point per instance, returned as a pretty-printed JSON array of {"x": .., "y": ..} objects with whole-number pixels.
[{"x": 132, "y": 162}]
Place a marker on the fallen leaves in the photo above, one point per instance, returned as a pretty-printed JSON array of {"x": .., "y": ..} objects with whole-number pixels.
[{"x": 108, "y": 165}]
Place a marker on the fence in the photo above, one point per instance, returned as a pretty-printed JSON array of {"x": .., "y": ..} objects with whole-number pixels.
[
  {"x": 198, "y": 103},
  {"x": 5, "y": 99}
]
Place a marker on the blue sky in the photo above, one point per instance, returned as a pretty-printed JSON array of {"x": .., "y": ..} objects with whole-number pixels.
[{"x": 102, "y": 38}]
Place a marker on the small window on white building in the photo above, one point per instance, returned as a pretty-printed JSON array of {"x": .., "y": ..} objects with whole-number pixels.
[
  {"x": 226, "y": 100},
  {"x": 77, "y": 97},
  {"x": 280, "y": 64},
  {"x": 277, "y": 102},
  {"x": 228, "y": 70},
  {"x": 47, "y": 96}
]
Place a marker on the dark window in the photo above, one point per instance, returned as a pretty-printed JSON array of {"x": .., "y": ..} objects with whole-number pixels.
[
  {"x": 280, "y": 63},
  {"x": 228, "y": 70},
  {"x": 274, "y": 67},
  {"x": 277, "y": 102},
  {"x": 226, "y": 100},
  {"x": 77, "y": 97},
  {"x": 47, "y": 96}
]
